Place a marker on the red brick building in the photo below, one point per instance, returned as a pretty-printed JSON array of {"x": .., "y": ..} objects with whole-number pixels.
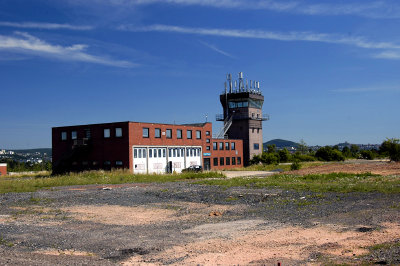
[
  {"x": 142, "y": 147},
  {"x": 3, "y": 169}
]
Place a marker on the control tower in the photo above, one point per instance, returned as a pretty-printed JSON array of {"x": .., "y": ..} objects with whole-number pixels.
[{"x": 242, "y": 103}]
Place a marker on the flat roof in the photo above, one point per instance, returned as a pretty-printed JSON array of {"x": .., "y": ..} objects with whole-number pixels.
[{"x": 152, "y": 123}]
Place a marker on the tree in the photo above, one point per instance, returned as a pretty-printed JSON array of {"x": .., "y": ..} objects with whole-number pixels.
[
  {"x": 329, "y": 154},
  {"x": 368, "y": 155},
  {"x": 271, "y": 148},
  {"x": 391, "y": 148},
  {"x": 354, "y": 150},
  {"x": 284, "y": 155},
  {"x": 346, "y": 152},
  {"x": 302, "y": 147},
  {"x": 269, "y": 158}
]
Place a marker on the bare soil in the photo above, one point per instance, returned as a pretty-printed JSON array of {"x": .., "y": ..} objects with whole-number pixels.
[
  {"x": 182, "y": 223},
  {"x": 358, "y": 166}
]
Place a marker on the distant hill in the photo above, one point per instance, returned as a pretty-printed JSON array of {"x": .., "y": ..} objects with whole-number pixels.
[{"x": 280, "y": 143}]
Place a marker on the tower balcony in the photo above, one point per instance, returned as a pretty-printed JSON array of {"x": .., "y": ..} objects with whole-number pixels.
[{"x": 263, "y": 117}]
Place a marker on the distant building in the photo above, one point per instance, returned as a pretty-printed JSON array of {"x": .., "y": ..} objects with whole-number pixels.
[{"x": 3, "y": 169}]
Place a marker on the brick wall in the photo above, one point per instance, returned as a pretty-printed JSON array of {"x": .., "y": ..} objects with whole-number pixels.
[{"x": 3, "y": 169}]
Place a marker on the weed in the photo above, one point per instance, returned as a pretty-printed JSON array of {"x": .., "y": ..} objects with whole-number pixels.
[
  {"x": 320, "y": 183},
  {"x": 95, "y": 177},
  {"x": 6, "y": 243}
]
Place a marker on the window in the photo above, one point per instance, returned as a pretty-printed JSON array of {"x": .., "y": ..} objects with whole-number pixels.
[
  {"x": 135, "y": 153},
  {"x": 118, "y": 133},
  {"x": 155, "y": 153},
  {"x": 188, "y": 134},
  {"x": 63, "y": 135},
  {"x": 157, "y": 133},
  {"x": 179, "y": 133},
  {"x": 169, "y": 152},
  {"x": 107, "y": 163},
  {"x": 174, "y": 153},
  {"x": 221, "y": 146},
  {"x": 169, "y": 133},
  {"x": 150, "y": 153},
  {"x": 233, "y": 146},
  {"x": 118, "y": 163},
  {"x": 144, "y": 153},
  {"x": 208, "y": 148},
  {"x": 233, "y": 160},
  {"x": 228, "y": 160},
  {"x": 208, "y": 140},
  {"x": 239, "y": 160},
  {"x": 73, "y": 135},
  {"x": 198, "y": 134},
  {"x": 88, "y": 134},
  {"x": 140, "y": 153},
  {"x": 256, "y": 146},
  {"x": 145, "y": 132},
  {"x": 227, "y": 146},
  {"x": 106, "y": 133},
  {"x": 164, "y": 152},
  {"x": 187, "y": 152},
  {"x": 221, "y": 161},
  {"x": 207, "y": 133},
  {"x": 215, "y": 147},
  {"x": 215, "y": 161},
  {"x": 159, "y": 153}
]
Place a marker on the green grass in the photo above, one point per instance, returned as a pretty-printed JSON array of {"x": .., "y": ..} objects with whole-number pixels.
[
  {"x": 94, "y": 177},
  {"x": 334, "y": 182},
  {"x": 270, "y": 167}
]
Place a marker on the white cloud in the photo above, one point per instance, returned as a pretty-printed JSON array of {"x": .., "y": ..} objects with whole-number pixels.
[
  {"x": 372, "y": 9},
  {"x": 47, "y": 26},
  {"x": 216, "y": 49},
  {"x": 270, "y": 35},
  {"x": 395, "y": 55},
  {"x": 25, "y": 43}
]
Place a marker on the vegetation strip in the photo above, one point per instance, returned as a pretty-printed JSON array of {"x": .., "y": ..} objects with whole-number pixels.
[
  {"x": 333, "y": 182},
  {"x": 94, "y": 177}
]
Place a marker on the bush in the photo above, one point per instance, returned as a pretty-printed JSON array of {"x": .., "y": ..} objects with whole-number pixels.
[
  {"x": 295, "y": 166},
  {"x": 329, "y": 154},
  {"x": 269, "y": 158},
  {"x": 284, "y": 155},
  {"x": 303, "y": 157},
  {"x": 368, "y": 155},
  {"x": 391, "y": 148}
]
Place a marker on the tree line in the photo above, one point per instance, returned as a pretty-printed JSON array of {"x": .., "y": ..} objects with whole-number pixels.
[
  {"x": 15, "y": 166},
  {"x": 390, "y": 148}
]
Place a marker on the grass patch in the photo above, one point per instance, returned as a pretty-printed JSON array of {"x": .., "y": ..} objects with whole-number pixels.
[
  {"x": 6, "y": 243},
  {"x": 95, "y": 177},
  {"x": 271, "y": 167},
  {"x": 333, "y": 182}
]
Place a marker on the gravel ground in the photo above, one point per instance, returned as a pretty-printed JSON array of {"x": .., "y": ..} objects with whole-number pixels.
[{"x": 185, "y": 223}]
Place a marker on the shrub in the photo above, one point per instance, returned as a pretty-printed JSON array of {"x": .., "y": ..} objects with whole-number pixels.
[
  {"x": 269, "y": 158},
  {"x": 303, "y": 157},
  {"x": 368, "y": 155},
  {"x": 329, "y": 154},
  {"x": 295, "y": 165},
  {"x": 284, "y": 155},
  {"x": 391, "y": 148}
]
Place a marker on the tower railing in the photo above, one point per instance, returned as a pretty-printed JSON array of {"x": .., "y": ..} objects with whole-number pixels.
[{"x": 263, "y": 117}]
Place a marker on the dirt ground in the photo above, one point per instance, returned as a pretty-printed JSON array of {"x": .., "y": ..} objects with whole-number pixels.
[
  {"x": 182, "y": 223},
  {"x": 357, "y": 166}
]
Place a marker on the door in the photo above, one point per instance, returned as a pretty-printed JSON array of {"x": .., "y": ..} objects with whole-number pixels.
[{"x": 207, "y": 164}]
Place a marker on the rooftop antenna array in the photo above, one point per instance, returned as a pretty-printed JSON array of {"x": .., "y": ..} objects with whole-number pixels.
[{"x": 240, "y": 86}]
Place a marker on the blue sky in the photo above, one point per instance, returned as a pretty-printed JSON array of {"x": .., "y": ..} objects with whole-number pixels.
[{"x": 329, "y": 70}]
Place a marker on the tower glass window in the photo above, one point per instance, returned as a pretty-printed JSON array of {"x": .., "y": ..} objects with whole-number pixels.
[
  {"x": 256, "y": 146},
  {"x": 215, "y": 146},
  {"x": 233, "y": 146},
  {"x": 221, "y": 146}
]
